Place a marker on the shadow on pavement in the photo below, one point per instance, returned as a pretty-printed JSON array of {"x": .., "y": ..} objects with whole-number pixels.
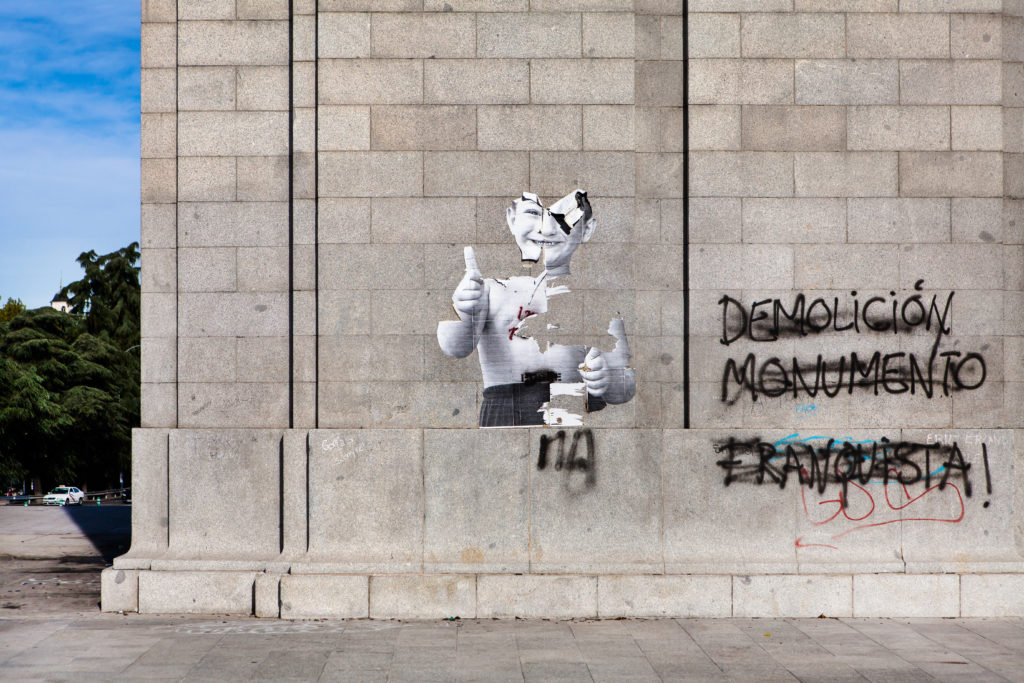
[{"x": 108, "y": 528}]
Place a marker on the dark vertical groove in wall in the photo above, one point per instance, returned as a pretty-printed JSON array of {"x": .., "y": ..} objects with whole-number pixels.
[
  {"x": 686, "y": 215},
  {"x": 167, "y": 457},
  {"x": 291, "y": 215},
  {"x": 307, "y": 492},
  {"x": 280, "y": 495},
  {"x": 177, "y": 260},
  {"x": 316, "y": 214}
]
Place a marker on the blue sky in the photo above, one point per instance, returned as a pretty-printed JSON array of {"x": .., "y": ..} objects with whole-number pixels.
[{"x": 69, "y": 139}]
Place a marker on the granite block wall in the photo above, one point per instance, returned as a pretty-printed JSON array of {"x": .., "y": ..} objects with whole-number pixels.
[{"x": 808, "y": 217}]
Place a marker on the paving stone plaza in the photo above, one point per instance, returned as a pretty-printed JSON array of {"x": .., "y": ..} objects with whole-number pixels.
[{"x": 582, "y": 309}]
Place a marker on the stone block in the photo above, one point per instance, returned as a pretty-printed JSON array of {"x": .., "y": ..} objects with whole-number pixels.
[
  {"x": 458, "y": 174},
  {"x": 793, "y": 35},
  {"x": 159, "y": 271},
  {"x": 898, "y": 128},
  {"x": 422, "y": 596},
  {"x": 582, "y": 81},
  {"x": 715, "y": 219},
  {"x": 849, "y": 174},
  {"x": 741, "y": 81},
  {"x": 475, "y": 5},
  {"x": 119, "y": 590},
  {"x": 261, "y": 269},
  {"x": 422, "y": 404},
  {"x": 157, "y": 90},
  {"x": 741, "y": 174},
  {"x": 991, "y": 595},
  {"x": 208, "y": 269},
  {"x": 1013, "y": 130},
  {"x": 262, "y": 88},
  {"x": 475, "y": 500},
  {"x": 423, "y": 35},
  {"x": 158, "y": 226},
  {"x": 978, "y": 220},
  {"x": 873, "y": 36},
  {"x": 841, "y": 81},
  {"x": 659, "y": 175},
  {"x": 532, "y": 596},
  {"x": 714, "y": 35},
  {"x": 219, "y": 224},
  {"x": 267, "y": 596},
  {"x": 671, "y": 37},
  {"x": 529, "y": 127},
  {"x": 776, "y": 128},
  {"x": 371, "y": 81},
  {"x": 608, "y": 35},
  {"x": 206, "y": 179},
  {"x": 215, "y": 43},
  {"x": 159, "y": 11},
  {"x": 159, "y": 359},
  {"x": 898, "y": 220},
  {"x": 245, "y": 524},
  {"x": 344, "y": 404},
  {"x": 733, "y": 266},
  {"x": 805, "y": 596},
  {"x": 906, "y": 595},
  {"x": 344, "y": 35},
  {"x": 946, "y": 82},
  {"x": 229, "y": 314},
  {"x": 664, "y": 596},
  {"x": 714, "y": 127},
  {"x": 950, "y": 5},
  {"x": 976, "y": 36},
  {"x": 740, "y": 6},
  {"x": 580, "y": 5},
  {"x": 232, "y": 133},
  {"x": 659, "y": 83},
  {"x": 325, "y": 596},
  {"x": 206, "y": 88},
  {"x": 960, "y": 266},
  {"x": 158, "y": 44},
  {"x": 206, "y": 9},
  {"x": 196, "y": 592},
  {"x": 158, "y": 135},
  {"x": 351, "y": 475},
  {"x": 243, "y": 405},
  {"x": 951, "y": 174},
  {"x": 262, "y": 9},
  {"x": 599, "y": 173},
  {"x": 261, "y": 179},
  {"x": 207, "y": 359},
  {"x": 1013, "y": 83},
  {"x": 159, "y": 405},
  {"x": 149, "y": 508},
  {"x": 775, "y": 221},
  {"x": 158, "y": 313},
  {"x": 528, "y": 35},
  {"x": 977, "y": 128},
  {"x": 344, "y": 128},
  {"x": 395, "y": 358},
  {"x": 476, "y": 81},
  {"x": 414, "y": 220},
  {"x": 371, "y": 174},
  {"x": 376, "y": 266},
  {"x": 428, "y": 127},
  {"x": 598, "y": 514},
  {"x": 158, "y": 181},
  {"x": 839, "y": 267}
]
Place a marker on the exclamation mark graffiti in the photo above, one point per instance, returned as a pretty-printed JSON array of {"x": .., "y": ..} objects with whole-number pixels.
[{"x": 988, "y": 475}]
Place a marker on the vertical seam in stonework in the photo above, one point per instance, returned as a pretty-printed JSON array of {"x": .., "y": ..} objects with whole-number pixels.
[
  {"x": 291, "y": 214},
  {"x": 423, "y": 500},
  {"x": 686, "y": 220},
  {"x": 177, "y": 256},
  {"x": 316, "y": 214},
  {"x": 307, "y": 492},
  {"x": 529, "y": 502},
  {"x": 167, "y": 461}
]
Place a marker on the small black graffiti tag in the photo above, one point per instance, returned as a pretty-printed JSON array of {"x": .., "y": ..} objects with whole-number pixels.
[{"x": 572, "y": 460}]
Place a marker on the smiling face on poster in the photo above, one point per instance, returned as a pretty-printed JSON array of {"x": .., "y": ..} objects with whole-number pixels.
[{"x": 522, "y": 380}]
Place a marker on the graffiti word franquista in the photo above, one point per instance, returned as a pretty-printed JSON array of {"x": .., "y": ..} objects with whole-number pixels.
[{"x": 846, "y": 463}]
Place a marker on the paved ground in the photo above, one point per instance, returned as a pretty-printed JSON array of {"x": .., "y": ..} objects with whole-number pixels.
[{"x": 51, "y": 629}]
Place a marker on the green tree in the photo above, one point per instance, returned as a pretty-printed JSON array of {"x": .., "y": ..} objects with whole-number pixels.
[
  {"x": 12, "y": 308},
  {"x": 69, "y": 383}
]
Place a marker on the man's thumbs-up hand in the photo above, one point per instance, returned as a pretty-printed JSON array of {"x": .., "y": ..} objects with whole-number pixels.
[
  {"x": 468, "y": 296},
  {"x": 594, "y": 371}
]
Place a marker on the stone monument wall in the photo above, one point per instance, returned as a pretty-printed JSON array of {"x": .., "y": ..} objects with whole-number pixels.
[{"x": 782, "y": 376}]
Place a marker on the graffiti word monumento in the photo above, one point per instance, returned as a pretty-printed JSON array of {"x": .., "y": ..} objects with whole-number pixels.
[{"x": 769, "y": 320}]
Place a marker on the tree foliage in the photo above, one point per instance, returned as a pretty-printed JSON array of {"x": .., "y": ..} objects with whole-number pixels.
[
  {"x": 69, "y": 382},
  {"x": 9, "y": 310}
]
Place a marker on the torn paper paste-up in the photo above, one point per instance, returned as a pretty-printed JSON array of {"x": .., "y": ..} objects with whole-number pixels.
[{"x": 524, "y": 376}]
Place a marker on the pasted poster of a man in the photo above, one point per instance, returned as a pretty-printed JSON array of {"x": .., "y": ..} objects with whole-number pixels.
[{"x": 496, "y": 316}]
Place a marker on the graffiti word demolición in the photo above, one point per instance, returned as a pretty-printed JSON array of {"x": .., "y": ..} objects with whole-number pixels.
[
  {"x": 903, "y": 372},
  {"x": 846, "y": 463}
]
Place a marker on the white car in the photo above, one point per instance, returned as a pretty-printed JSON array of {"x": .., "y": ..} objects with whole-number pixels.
[{"x": 64, "y": 495}]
